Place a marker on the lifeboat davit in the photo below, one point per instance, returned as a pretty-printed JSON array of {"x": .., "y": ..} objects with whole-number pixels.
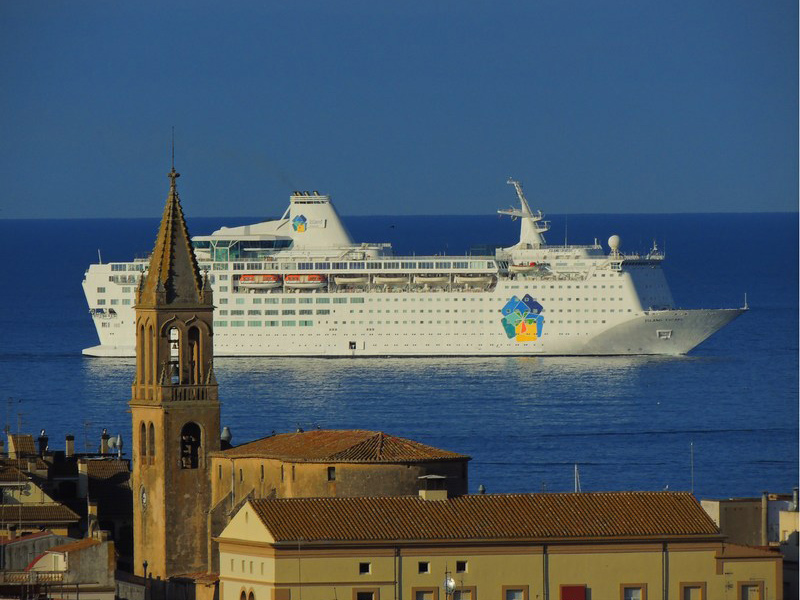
[
  {"x": 260, "y": 281},
  {"x": 305, "y": 282}
]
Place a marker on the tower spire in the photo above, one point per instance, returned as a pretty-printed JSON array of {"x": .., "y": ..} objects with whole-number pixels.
[{"x": 173, "y": 275}]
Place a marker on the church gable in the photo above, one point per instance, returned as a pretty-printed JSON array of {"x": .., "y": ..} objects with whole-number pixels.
[{"x": 247, "y": 526}]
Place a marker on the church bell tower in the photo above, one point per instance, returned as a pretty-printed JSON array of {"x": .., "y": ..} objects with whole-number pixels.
[{"x": 174, "y": 404}]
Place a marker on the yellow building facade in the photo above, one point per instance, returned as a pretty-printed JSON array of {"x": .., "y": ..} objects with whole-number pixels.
[{"x": 627, "y": 546}]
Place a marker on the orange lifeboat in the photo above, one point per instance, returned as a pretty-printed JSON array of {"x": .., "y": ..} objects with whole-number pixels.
[
  {"x": 305, "y": 282},
  {"x": 260, "y": 281}
]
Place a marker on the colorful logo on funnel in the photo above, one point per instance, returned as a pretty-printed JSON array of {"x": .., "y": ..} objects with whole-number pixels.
[
  {"x": 521, "y": 319},
  {"x": 299, "y": 223}
]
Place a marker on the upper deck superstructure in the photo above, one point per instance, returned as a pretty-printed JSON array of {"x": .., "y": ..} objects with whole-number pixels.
[{"x": 300, "y": 286}]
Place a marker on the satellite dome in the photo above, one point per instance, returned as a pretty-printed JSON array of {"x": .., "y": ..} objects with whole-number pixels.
[{"x": 613, "y": 243}]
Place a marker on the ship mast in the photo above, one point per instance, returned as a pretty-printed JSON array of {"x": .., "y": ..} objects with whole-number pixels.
[{"x": 531, "y": 224}]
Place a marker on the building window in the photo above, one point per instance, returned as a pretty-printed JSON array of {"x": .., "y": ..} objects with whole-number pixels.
[
  {"x": 424, "y": 566},
  {"x": 461, "y": 566},
  {"x": 366, "y": 594},
  {"x": 465, "y": 593},
  {"x": 424, "y": 594},
  {"x": 573, "y": 592},
  {"x": 633, "y": 591},
  {"x": 331, "y": 473},
  {"x": 262, "y": 472},
  {"x": 364, "y": 568},
  {"x": 694, "y": 590},
  {"x": 515, "y": 592},
  {"x": 750, "y": 590},
  {"x": 219, "y": 472}
]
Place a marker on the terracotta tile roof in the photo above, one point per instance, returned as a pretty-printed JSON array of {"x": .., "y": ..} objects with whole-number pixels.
[
  {"x": 75, "y": 546},
  {"x": 23, "y": 463},
  {"x": 9, "y": 473},
  {"x": 107, "y": 468},
  {"x": 23, "y": 444},
  {"x": 37, "y": 513},
  {"x": 486, "y": 517},
  {"x": 341, "y": 445}
]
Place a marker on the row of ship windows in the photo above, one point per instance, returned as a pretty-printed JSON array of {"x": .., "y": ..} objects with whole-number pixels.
[
  {"x": 324, "y": 311},
  {"x": 348, "y": 266},
  {"x": 240, "y": 301},
  {"x": 306, "y": 323},
  {"x": 128, "y": 289}
]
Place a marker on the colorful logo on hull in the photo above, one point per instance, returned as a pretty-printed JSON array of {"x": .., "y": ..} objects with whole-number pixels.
[
  {"x": 299, "y": 223},
  {"x": 521, "y": 319}
]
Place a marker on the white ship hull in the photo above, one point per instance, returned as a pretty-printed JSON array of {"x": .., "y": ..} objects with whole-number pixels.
[{"x": 567, "y": 300}]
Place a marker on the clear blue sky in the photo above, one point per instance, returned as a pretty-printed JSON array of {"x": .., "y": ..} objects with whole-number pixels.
[{"x": 398, "y": 107}]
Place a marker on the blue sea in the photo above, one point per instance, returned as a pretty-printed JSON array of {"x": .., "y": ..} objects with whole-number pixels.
[{"x": 729, "y": 409}]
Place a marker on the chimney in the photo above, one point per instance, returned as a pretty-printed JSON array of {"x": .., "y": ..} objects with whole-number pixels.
[
  {"x": 764, "y": 519},
  {"x": 83, "y": 478},
  {"x": 104, "y": 442},
  {"x": 12, "y": 532},
  {"x": 69, "y": 446},
  {"x": 42, "y": 443},
  {"x": 433, "y": 488}
]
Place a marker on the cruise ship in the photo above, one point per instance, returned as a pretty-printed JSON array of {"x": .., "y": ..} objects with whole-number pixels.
[{"x": 300, "y": 286}]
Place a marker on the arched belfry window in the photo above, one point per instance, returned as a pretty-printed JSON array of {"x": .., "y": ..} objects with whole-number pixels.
[
  {"x": 149, "y": 365},
  {"x": 194, "y": 356},
  {"x": 140, "y": 355},
  {"x": 142, "y": 439},
  {"x": 151, "y": 442},
  {"x": 174, "y": 355},
  {"x": 190, "y": 446}
]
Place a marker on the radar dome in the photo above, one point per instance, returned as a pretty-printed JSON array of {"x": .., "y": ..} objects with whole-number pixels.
[{"x": 613, "y": 243}]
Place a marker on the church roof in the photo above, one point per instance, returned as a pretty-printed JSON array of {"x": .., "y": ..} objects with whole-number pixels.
[
  {"x": 173, "y": 276},
  {"x": 341, "y": 445},
  {"x": 566, "y": 516}
]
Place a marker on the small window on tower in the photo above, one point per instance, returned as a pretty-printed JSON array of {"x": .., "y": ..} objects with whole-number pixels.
[{"x": 331, "y": 473}]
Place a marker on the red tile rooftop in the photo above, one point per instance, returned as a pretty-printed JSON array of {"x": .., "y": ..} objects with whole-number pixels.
[
  {"x": 341, "y": 445},
  {"x": 599, "y": 515}
]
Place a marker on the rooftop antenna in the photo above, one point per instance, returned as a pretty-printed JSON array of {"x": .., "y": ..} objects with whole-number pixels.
[
  {"x": 173, "y": 147},
  {"x": 691, "y": 463},
  {"x": 577, "y": 479}
]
